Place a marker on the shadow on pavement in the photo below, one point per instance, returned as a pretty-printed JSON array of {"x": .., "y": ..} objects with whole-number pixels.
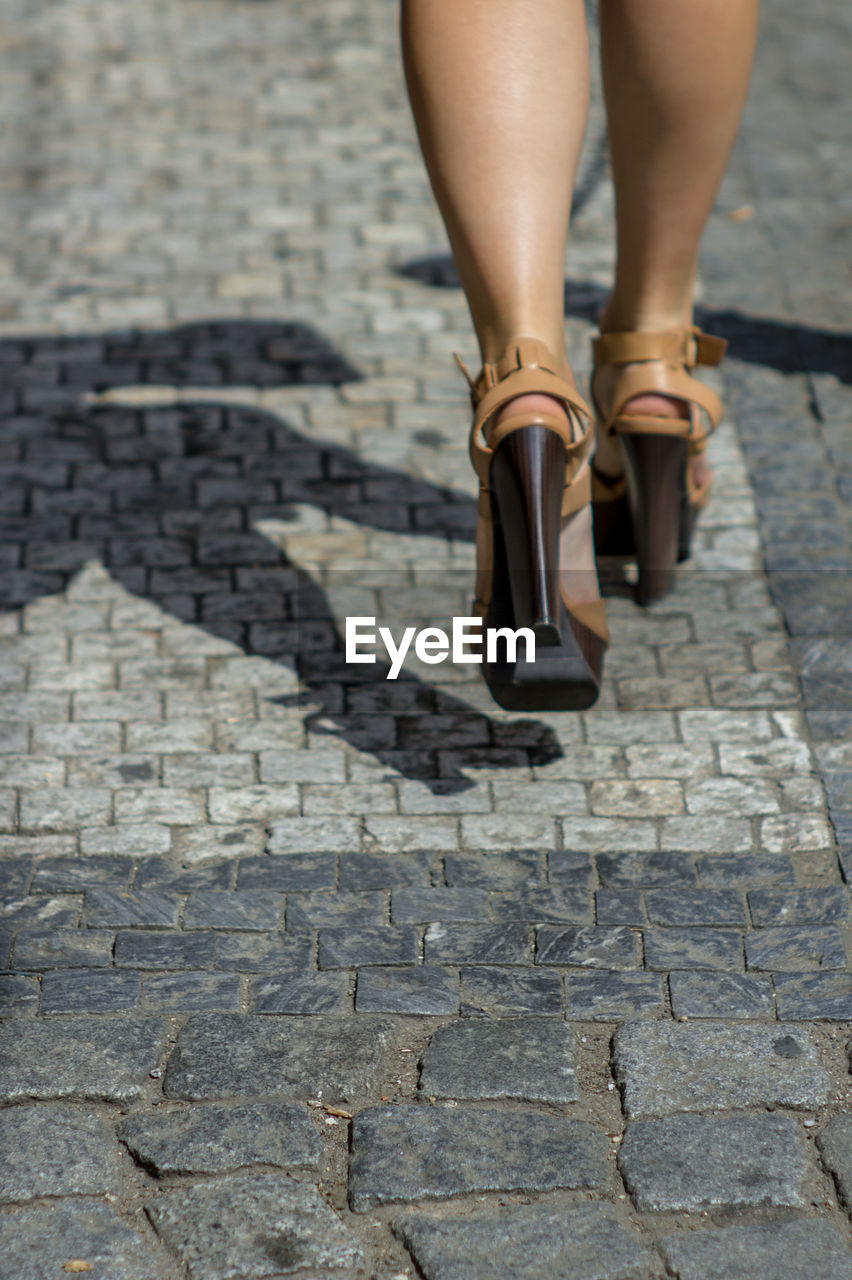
[{"x": 166, "y": 498}]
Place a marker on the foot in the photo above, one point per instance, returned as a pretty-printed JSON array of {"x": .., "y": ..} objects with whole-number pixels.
[
  {"x": 607, "y": 455},
  {"x": 576, "y": 545}
]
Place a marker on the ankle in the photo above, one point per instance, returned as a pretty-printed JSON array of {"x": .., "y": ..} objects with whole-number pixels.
[{"x": 642, "y": 317}]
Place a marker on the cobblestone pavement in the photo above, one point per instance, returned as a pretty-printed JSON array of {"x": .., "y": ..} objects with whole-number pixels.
[{"x": 332, "y": 977}]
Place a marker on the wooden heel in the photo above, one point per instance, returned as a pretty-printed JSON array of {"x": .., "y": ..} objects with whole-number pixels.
[{"x": 655, "y": 467}]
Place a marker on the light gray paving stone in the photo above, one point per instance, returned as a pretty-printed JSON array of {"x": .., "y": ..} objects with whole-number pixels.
[
  {"x": 664, "y": 1067},
  {"x": 211, "y": 1139},
  {"x": 689, "y": 1162},
  {"x": 533, "y": 1059},
  {"x": 34, "y": 1239},
  {"x": 526, "y": 1242},
  {"x": 87, "y": 1058},
  {"x": 253, "y": 1225},
  {"x": 426, "y": 1152},
  {"x": 55, "y": 1150},
  {"x": 835, "y": 1144},
  {"x": 808, "y": 1249},
  {"x": 286, "y": 1057}
]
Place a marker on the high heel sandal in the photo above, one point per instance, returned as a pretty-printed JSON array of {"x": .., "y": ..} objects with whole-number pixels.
[
  {"x": 649, "y": 512},
  {"x": 532, "y": 476}
]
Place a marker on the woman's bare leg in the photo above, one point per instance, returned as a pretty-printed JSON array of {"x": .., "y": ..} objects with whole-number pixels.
[
  {"x": 675, "y": 79},
  {"x": 499, "y": 91}
]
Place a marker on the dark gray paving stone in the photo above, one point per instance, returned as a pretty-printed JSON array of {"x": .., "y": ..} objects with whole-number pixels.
[
  {"x": 798, "y": 906},
  {"x": 796, "y": 948},
  {"x": 210, "y": 1139},
  {"x": 422, "y": 989},
  {"x": 71, "y": 875},
  {"x": 538, "y": 906},
  {"x": 689, "y": 1162},
  {"x": 664, "y": 1067},
  {"x": 743, "y": 870},
  {"x": 167, "y": 876},
  {"x": 524, "y": 869},
  {"x": 264, "y": 953},
  {"x": 15, "y": 875},
  {"x": 430, "y": 1152},
  {"x": 310, "y": 911},
  {"x": 5, "y": 947},
  {"x": 150, "y": 949},
  {"x": 289, "y": 873},
  {"x": 805, "y": 1250},
  {"x": 700, "y": 993},
  {"x": 835, "y": 1144},
  {"x": 89, "y": 991},
  {"x": 253, "y": 1224},
  {"x": 584, "y": 1242},
  {"x": 478, "y": 944},
  {"x": 384, "y": 871},
  {"x": 644, "y": 870},
  {"x": 91, "y": 1059},
  {"x": 570, "y": 867},
  {"x": 620, "y": 907},
  {"x": 420, "y": 906},
  {"x": 308, "y": 992},
  {"x": 693, "y": 949},
  {"x": 507, "y": 993},
  {"x": 594, "y": 947},
  {"x": 50, "y": 948},
  {"x": 182, "y": 992},
  {"x": 695, "y": 907},
  {"x": 56, "y": 912},
  {"x": 814, "y": 996},
  {"x": 18, "y": 995},
  {"x": 286, "y": 1057},
  {"x": 253, "y": 909},
  {"x": 54, "y": 1150},
  {"x": 351, "y": 948},
  {"x": 612, "y": 997},
  {"x": 533, "y": 1059},
  {"x": 34, "y": 1238},
  {"x": 117, "y": 908}
]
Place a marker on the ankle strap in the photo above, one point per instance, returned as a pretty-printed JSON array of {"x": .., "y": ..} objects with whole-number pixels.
[{"x": 686, "y": 348}]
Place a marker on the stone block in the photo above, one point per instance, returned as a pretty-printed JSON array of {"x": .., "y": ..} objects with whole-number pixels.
[
  {"x": 583, "y": 1242},
  {"x": 595, "y": 947},
  {"x": 253, "y": 1224},
  {"x": 293, "y": 872},
  {"x": 34, "y": 1238},
  {"x": 431, "y": 1152},
  {"x": 663, "y": 1067},
  {"x": 696, "y": 948},
  {"x": 620, "y": 907},
  {"x": 307, "y": 992},
  {"x": 55, "y": 1150},
  {"x": 251, "y": 909},
  {"x": 814, "y": 997},
  {"x": 690, "y": 1162},
  {"x": 537, "y": 906},
  {"x": 809, "y": 1249},
  {"x": 419, "y": 906},
  {"x": 645, "y": 870},
  {"x": 309, "y": 911},
  {"x": 49, "y": 948},
  {"x": 264, "y": 953},
  {"x": 18, "y": 995},
  {"x": 673, "y": 907},
  {"x": 153, "y": 949},
  {"x": 533, "y": 1059},
  {"x": 700, "y": 993},
  {"x": 611, "y": 997},
  {"x": 182, "y": 992},
  {"x": 80, "y": 1058},
  {"x": 796, "y": 948},
  {"x": 285, "y": 1057},
  {"x": 799, "y": 906},
  {"x": 505, "y": 993},
  {"x": 211, "y": 1139},
  {"x": 142, "y": 908},
  {"x": 478, "y": 944},
  {"x": 380, "y": 945},
  {"x": 835, "y": 1144},
  {"x": 88, "y": 991},
  {"x": 422, "y": 989}
]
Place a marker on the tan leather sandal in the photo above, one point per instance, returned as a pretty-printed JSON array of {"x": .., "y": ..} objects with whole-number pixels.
[
  {"x": 533, "y": 474},
  {"x": 649, "y": 511}
]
